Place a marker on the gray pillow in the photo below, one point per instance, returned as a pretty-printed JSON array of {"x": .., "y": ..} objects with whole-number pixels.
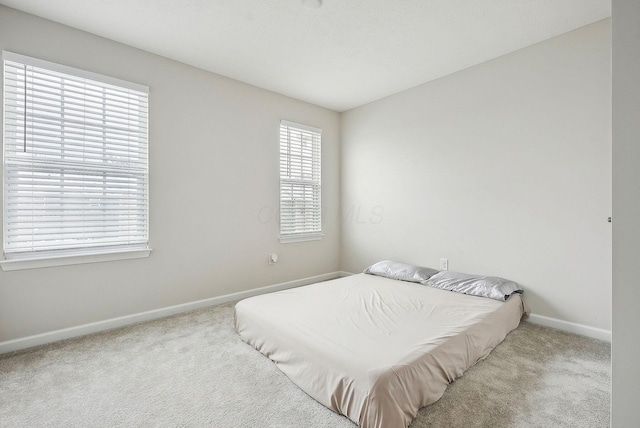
[
  {"x": 400, "y": 271},
  {"x": 484, "y": 286}
]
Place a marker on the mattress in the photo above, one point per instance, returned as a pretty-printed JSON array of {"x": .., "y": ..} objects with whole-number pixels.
[{"x": 371, "y": 348}]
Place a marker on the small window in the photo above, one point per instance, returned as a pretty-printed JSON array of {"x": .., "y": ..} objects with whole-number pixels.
[
  {"x": 300, "y": 183},
  {"x": 75, "y": 162}
]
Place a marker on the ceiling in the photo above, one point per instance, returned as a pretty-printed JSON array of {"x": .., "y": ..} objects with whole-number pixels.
[{"x": 341, "y": 55}]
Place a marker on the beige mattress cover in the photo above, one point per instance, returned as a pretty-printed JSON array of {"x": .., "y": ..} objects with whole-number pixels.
[{"x": 375, "y": 349}]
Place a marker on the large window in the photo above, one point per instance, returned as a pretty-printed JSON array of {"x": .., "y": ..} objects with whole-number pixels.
[
  {"x": 300, "y": 182},
  {"x": 75, "y": 162}
]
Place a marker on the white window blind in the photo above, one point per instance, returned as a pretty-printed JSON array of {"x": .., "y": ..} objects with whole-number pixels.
[
  {"x": 300, "y": 182},
  {"x": 75, "y": 161}
]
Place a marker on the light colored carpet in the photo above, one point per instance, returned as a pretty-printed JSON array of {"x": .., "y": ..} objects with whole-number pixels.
[{"x": 192, "y": 370}]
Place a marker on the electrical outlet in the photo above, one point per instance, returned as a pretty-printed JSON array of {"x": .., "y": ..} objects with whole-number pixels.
[
  {"x": 273, "y": 258},
  {"x": 444, "y": 264}
]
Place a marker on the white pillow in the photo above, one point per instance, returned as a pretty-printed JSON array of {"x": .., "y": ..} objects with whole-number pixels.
[
  {"x": 400, "y": 271},
  {"x": 484, "y": 286}
]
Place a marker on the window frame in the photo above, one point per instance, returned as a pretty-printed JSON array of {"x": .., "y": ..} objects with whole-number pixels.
[
  {"x": 313, "y": 229},
  {"x": 84, "y": 253}
]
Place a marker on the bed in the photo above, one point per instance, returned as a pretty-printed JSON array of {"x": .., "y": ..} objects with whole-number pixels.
[{"x": 372, "y": 348}]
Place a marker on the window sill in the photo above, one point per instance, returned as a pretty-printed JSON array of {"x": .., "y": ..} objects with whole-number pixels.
[
  {"x": 75, "y": 259},
  {"x": 300, "y": 238}
]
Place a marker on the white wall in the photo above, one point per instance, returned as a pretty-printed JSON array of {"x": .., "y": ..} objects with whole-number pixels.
[
  {"x": 503, "y": 168},
  {"x": 625, "y": 411},
  {"x": 213, "y": 184}
]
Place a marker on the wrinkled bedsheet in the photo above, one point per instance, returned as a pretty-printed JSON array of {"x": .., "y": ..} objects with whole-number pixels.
[{"x": 371, "y": 348}]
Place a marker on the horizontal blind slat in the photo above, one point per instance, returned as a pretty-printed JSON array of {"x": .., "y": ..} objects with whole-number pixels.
[
  {"x": 77, "y": 178},
  {"x": 300, "y": 180}
]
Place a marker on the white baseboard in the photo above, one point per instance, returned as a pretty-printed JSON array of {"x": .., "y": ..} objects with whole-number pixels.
[
  {"x": 94, "y": 327},
  {"x": 571, "y": 327}
]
